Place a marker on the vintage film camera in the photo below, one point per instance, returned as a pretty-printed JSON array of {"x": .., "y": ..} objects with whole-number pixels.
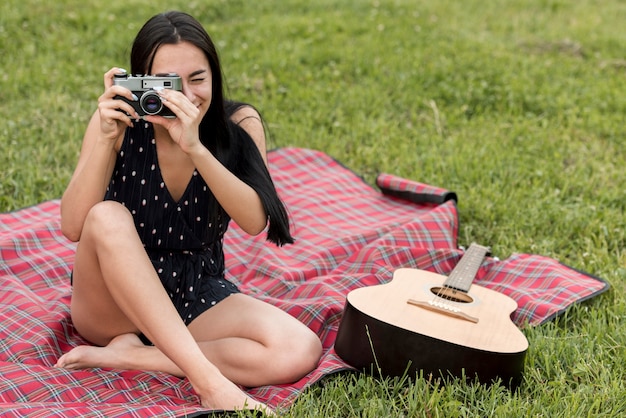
[{"x": 145, "y": 88}]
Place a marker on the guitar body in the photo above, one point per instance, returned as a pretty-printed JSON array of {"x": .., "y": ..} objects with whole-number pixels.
[{"x": 381, "y": 329}]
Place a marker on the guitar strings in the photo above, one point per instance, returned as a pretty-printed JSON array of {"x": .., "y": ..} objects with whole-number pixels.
[{"x": 469, "y": 262}]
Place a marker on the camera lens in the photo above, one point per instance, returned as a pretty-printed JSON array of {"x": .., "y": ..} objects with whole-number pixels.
[{"x": 151, "y": 103}]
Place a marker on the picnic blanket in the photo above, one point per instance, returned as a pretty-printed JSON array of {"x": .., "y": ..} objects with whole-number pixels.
[{"x": 348, "y": 235}]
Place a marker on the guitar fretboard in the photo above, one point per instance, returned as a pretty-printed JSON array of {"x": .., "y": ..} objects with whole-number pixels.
[{"x": 462, "y": 276}]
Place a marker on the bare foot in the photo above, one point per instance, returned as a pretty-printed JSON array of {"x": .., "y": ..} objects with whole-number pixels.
[
  {"x": 228, "y": 397},
  {"x": 111, "y": 356},
  {"x": 219, "y": 394}
]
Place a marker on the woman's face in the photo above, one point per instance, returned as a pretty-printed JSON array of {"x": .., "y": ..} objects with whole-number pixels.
[{"x": 190, "y": 63}]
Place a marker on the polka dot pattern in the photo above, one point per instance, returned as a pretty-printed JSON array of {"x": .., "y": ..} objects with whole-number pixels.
[{"x": 182, "y": 238}]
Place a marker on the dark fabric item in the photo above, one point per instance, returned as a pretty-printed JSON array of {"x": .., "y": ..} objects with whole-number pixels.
[{"x": 182, "y": 238}]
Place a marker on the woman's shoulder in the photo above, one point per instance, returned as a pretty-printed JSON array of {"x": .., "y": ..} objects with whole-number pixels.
[
  {"x": 249, "y": 119},
  {"x": 238, "y": 112},
  {"x": 245, "y": 112}
]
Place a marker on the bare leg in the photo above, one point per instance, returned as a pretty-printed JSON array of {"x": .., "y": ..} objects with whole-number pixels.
[
  {"x": 116, "y": 291},
  {"x": 251, "y": 342}
]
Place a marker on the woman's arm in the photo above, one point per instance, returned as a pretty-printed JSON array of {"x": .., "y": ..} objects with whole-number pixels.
[
  {"x": 238, "y": 199},
  {"x": 89, "y": 181},
  {"x": 249, "y": 120},
  {"x": 95, "y": 165}
]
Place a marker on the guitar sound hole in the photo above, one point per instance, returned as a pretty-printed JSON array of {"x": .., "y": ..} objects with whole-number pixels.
[{"x": 451, "y": 294}]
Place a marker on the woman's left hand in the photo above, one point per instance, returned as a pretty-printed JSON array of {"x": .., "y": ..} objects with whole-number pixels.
[{"x": 184, "y": 128}]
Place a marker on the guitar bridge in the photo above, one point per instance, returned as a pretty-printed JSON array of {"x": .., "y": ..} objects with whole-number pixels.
[{"x": 444, "y": 309}]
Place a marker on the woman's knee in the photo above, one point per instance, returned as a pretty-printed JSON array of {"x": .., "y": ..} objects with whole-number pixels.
[
  {"x": 311, "y": 350},
  {"x": 108, "y": 218},
  {"x": 300, "y": 355}
]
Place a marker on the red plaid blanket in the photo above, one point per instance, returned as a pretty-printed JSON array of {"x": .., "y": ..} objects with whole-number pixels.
[{"x": 348, "y": 235}]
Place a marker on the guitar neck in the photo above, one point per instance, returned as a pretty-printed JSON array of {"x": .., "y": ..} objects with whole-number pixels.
[{"x": 463, "y": 275}]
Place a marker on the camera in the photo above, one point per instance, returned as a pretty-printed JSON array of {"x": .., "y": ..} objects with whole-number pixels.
[{"x": 145, "y": 88}]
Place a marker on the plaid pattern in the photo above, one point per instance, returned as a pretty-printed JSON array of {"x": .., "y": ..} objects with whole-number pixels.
[{"x": 348, "y": 235}]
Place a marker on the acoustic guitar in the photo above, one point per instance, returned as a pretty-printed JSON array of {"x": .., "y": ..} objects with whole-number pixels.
[{"x": 424, "y": 322}]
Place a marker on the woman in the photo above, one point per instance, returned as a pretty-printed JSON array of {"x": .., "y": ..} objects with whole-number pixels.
[{"x": 149, "y": 203}]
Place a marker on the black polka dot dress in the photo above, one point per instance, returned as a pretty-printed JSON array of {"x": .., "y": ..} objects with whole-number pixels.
[{"x": 182, "y": 238}]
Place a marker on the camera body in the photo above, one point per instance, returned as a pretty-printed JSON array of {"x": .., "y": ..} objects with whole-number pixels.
[{"x": 145, "y": 88}]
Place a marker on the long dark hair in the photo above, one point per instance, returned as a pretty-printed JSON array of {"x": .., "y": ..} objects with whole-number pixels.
[{"x": 230, "y": 144}]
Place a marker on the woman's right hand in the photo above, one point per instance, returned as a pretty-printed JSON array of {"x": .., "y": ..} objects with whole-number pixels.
[{"x": 115, "y": 114}]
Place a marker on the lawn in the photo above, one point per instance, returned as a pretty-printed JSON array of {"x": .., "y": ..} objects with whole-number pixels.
[{"x": 516, "y": 106}]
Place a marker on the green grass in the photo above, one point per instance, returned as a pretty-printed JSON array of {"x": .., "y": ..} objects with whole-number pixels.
[{"x": 517, "y": 106}]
